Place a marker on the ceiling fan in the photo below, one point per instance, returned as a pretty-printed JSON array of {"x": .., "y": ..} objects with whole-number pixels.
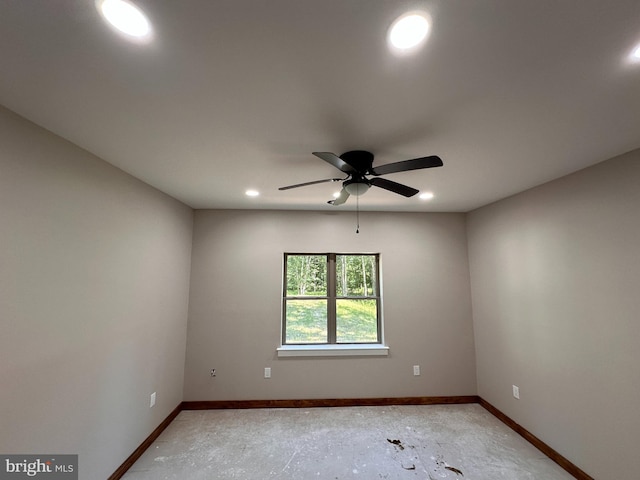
[{"x": 357, "y": 164}]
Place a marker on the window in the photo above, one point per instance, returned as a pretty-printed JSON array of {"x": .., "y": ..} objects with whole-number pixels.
[{"x": 331, "y": 299}]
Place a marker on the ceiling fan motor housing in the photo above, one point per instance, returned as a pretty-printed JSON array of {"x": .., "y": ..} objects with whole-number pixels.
[{"x": 361, "y": 160}]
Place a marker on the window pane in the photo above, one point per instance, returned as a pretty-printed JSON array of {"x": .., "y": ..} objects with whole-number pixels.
[
  {"x": 356, "y": 275},
  {"x": 356, "y": 321},
  {"x": 306, "y": 321},
  {"x": 306, "y": 275}
]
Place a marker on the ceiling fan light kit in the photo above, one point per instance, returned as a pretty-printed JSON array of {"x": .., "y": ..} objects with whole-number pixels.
[{"x": 356, "y": 188}]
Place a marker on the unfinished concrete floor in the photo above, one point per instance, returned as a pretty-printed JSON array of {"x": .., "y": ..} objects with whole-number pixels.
[{"x": 399, "y": 442}]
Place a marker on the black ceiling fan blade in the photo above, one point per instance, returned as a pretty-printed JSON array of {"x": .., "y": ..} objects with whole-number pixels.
[
  {"x": 344, "y": 195},
  {"x": 406, "y": 165},
  {"x": 311, "y": 183},
  {"x": 394, "y": 187},
  {"x": 336, "y": 161}
]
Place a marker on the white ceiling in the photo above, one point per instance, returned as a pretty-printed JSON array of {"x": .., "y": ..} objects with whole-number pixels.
[{"x": 236, "y": 94}]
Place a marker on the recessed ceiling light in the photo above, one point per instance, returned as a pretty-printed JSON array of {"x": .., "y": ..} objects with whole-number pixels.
[
  {"x": 635, "y": 54},
  {"x": 408, "y": 32},
  {"x": 126, "y": 17},
  {"x": 426, "y": 196},
  {"x": 252, "y": 193}
]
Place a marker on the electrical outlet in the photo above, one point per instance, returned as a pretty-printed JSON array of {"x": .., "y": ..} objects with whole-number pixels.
[
  {"x": 416, "y": 370},
  {"x": 152, "y": 400},
  {"x": 267, "y": 372},
  {"x": 516, "y": 392}
]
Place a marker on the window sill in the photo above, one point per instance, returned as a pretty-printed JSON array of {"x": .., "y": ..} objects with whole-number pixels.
[{"x": 368, "y": 349}]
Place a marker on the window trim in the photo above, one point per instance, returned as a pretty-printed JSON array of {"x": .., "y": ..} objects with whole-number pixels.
[
  {"x": 335, "y": 350},
  {"x": 332, "y": 346}
]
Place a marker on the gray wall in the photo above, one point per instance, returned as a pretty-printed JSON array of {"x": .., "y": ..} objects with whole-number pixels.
[
  {"x": 556, "y": 305},
  {"x": 235, "y": 306},
  {"x": 94, "y": 278}
]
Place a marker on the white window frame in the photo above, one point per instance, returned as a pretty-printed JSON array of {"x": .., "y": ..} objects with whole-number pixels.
[{"x": 332, "y": 348}]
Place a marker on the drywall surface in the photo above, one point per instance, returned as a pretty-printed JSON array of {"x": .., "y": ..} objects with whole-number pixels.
[
  {"x": 94, "y": 278},
  {"x": 236, "y": 299},
  {"x": 555, "y": 285}
]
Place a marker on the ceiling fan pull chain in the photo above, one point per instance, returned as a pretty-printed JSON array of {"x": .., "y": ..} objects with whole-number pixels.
[{"x": 357, "y": 214}]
